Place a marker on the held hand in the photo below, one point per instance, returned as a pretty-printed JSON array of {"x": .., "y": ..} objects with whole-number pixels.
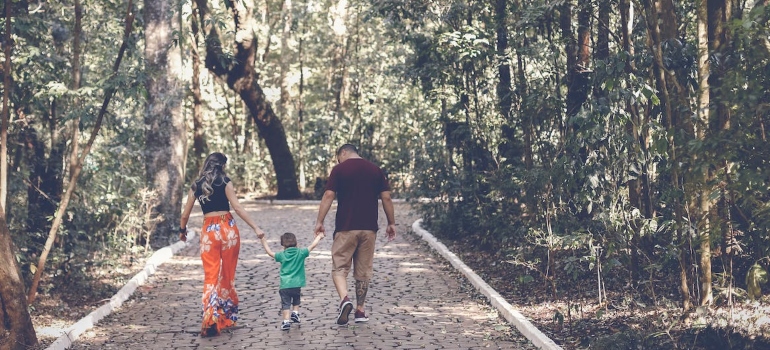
[
  {"x": 319, "y": 229},
  {"x": 391, "y": 231},
  {"x": 183, "y": 237},
  {"x": 259, "y": 232}
]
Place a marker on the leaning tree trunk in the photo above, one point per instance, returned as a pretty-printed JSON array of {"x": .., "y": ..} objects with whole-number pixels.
[
  {"x": 78, "y": 167},
  {"x": 241, "y": 77},
  {"x": 16, "y": 330},
  {"x": 165, "y": 141}
]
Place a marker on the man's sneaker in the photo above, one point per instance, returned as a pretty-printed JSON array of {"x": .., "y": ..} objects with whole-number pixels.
[
  {"x": 294, "y": 317},
  {"x": 361, "y": 317},
  {"x": 285, "y": 325},
  {"x": 345, "y": 308}
]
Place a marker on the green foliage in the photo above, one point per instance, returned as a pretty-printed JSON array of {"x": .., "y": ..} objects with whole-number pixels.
[{"x": 615, "y": 185}]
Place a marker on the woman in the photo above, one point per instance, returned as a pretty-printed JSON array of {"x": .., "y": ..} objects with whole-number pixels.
[{"x": 220, "y": 242}]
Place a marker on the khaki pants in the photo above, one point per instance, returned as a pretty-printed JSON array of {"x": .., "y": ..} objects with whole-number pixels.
[{"x": 356, "y": 246}]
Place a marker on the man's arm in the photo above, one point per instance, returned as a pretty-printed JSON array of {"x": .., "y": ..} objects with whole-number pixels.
[
  {"x": 323, "y": 209},
  {"x": 387, "y": 206}
]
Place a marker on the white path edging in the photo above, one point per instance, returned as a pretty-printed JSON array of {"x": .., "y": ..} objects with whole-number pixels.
[
  {"x": 509, "y": 313},
  {"x": 297, "y": 201},
  {"x": 158, "y": 258}
]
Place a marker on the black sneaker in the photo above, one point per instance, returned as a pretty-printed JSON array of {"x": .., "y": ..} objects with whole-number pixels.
[
  {"x": 211, "y": 331},
  {"x": 294, "y": 317},
  {"x": 285, "y": 325},
  {"x": 345, "y": 308}
]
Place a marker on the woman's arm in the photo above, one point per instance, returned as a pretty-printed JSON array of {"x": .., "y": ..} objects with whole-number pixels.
[
  {"x": 230, "y": 192},
  {"x": 186, "y": 215},
  {"x": 267, "y": 248}
]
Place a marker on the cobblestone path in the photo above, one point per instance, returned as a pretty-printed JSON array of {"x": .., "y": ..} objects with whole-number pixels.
[{"x": 416, "y": 300}]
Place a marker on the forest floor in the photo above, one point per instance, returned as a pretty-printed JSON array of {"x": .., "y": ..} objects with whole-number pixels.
[
  {"x": 627, "y": 319},
  {"x": 573, "y": 319},
  {"x": 80, "y": 284}
]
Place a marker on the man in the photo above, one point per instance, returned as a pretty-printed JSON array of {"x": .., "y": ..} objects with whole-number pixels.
[{"x": 357, "y": 183}]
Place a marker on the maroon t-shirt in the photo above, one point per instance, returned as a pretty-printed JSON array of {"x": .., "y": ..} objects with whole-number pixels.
[{"x": 358, "y": 184}]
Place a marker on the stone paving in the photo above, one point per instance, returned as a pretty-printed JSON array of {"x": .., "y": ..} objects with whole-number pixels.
[{"x": 416, "y": 300}]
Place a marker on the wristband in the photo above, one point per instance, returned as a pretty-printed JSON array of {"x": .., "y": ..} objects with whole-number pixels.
[{"x": 183, "y": 230}]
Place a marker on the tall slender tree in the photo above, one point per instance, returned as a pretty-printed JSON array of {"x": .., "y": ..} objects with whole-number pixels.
[
  {"x": 200, "y": 147},
  {"x": 6, "y": 113},
  {"x": 703, "y": 197},
  {"x": 165, "y": 137}
]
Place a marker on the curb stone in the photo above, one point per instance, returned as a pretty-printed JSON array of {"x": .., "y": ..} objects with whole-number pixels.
[
  {"x": 297, "y": 201},
  {"x": 72, "y": 333},
  {"x": 506, "y": 310}
]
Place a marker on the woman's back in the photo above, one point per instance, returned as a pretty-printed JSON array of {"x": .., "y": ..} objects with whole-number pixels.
[{"x": 217, "y": 199}]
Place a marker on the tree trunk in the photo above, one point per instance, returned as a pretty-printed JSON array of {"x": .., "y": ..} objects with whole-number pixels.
[
  {"x": 75, "y": 124},
  {"x": 638, "y": 188},
  {"x": 200, "y": 148},
  {"x": 632, "y": 126},
  {"x": 165, "y": 137},
  {"x": 662, "y": 26},
  {"x": 704, "y": 202},
  {"x": 17, "y": 332},
  {"x": 720, "y": 13},
  {"x": 339, "y": 14},
  {"x": 283, "y": 101},
  {"x": 241, "y": 77},
  {"x": 300, "y": 117},
  {"x": 578, "y": 55},
  {"x": 247, "y": 136},
  {"x": 504, "y": 94},
  {"x": 7, "y": 46},
  {"x": 529, "y": 127}
]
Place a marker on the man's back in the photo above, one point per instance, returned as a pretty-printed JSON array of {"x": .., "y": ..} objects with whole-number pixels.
[{"x": 357, "y": 183}]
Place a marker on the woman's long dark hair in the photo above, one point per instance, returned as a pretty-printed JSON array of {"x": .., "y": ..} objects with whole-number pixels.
[{"x": 211, "y": 172}]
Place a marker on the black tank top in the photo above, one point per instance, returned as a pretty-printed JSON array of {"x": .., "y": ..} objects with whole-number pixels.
[{"x": 217, "y": 200}]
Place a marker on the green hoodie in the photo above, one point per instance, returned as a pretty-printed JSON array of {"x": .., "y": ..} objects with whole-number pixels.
[{"x": 292, "y": 261}]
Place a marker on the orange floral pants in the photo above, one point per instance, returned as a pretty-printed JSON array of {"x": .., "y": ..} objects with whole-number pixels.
[{"x": 220, "y": 245}]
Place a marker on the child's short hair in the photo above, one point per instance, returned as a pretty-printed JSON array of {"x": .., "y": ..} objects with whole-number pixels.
[{"x": 288, "y": 239}]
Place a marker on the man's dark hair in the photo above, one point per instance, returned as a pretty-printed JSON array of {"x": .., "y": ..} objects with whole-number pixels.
[
  {"x": 347, "y": 147},
  {"x": 288, "y": 239}
]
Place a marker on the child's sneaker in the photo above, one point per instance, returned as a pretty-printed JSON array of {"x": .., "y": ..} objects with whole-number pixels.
[
  {"x": 294, "y": 317},
  {"x": 361, "y": 317},
  {"x": 285, "y": 325},
  {"x": 345, "y": 307}
]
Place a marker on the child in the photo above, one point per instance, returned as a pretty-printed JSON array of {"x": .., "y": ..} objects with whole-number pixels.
[{"x": 292, "y": 261}]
